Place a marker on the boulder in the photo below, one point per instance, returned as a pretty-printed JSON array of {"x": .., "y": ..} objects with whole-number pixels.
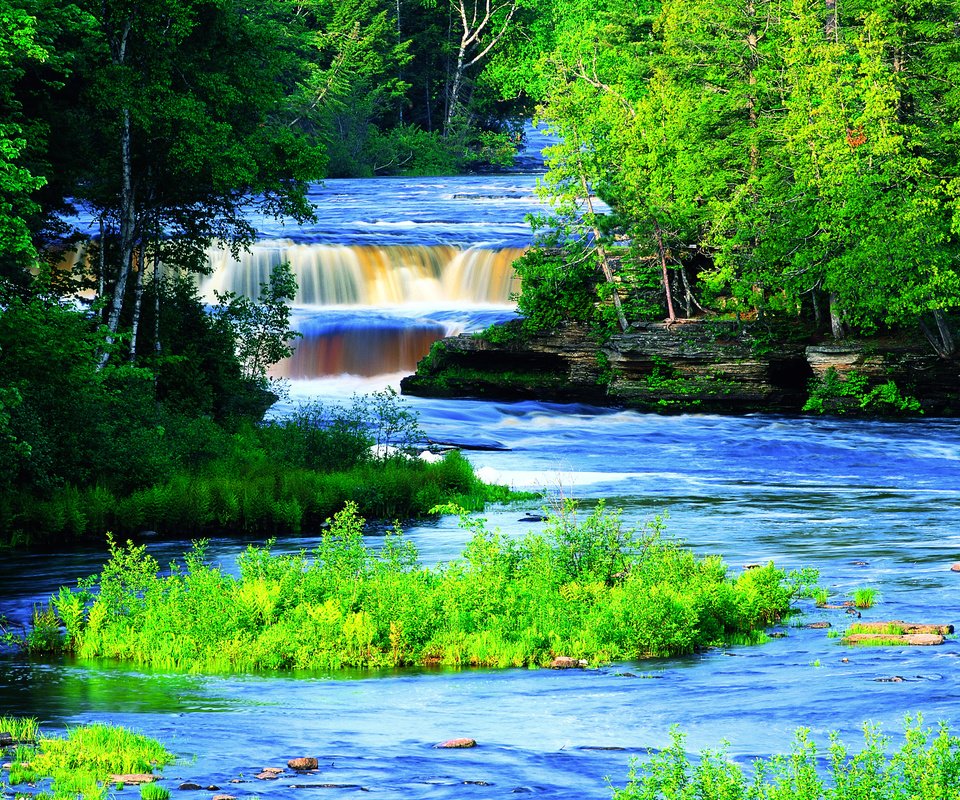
[
  {"x": 189, "y": 786},
  {"x": 565, "y": 662},
  {"x": 303, "y": 764},
  {"x": 453, "y": 744}
]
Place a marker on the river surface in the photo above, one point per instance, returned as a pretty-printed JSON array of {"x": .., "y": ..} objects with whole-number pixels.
[{"x": 870, "y": 504}]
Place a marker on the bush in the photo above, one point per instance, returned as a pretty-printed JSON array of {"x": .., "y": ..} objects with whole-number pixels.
[
  {"x": 586, "y": 588},
  {"x": 926, "y": 767}
]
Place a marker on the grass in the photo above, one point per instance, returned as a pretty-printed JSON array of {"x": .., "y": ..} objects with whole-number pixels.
[
  {"x": 80, "y": 764},
  {"x": 21, "y": 729},
  {"x": 925, "y": 767},
  {"x": 586, "y": 587},
  {"x": 865, "y": 597},
  {"x": 279, "y": 478},
  {"x": 264, "y": 497}
]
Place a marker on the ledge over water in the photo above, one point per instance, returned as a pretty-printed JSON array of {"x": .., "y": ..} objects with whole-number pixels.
[{"x": 707, "y": 366}]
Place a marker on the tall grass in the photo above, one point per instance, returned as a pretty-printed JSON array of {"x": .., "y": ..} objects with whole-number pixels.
[
  {"x": 586, "y": 587},
  {"x": 925, "y": 767},
  {"x": 279, "y": 478},
  {"x": 80, "y": 764}
]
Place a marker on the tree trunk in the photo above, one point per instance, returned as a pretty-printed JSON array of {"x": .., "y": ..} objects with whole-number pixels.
[
  {"x": 453, "y": 101},
  {"x": 128, "y": 232},
  {"x": 157, "y": 286},
  {"x": 836, "y": 322},
  {"x": 942, "y": 341},
  {"x": 602, "y": 252},
  {"x": 830, "y": 27},
  {"x": 137, "y": 303},
  {"x": 662, "y": 252},
  {"x": 102, "y": 260}
]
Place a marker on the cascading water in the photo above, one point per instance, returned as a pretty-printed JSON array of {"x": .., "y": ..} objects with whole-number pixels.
[
  {"x": 869, "y": 504},
  {"x": 340, "y": 275},
  {"x": 389, "y": 267}
]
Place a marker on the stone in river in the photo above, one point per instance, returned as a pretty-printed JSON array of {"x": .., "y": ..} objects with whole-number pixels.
[
  {"x": 224, "y": 797},
  {"x": 268, "y": 774},
  {"x": 132, "y": 778},
  {"x": 451, "y": 744},
  {"x": 189, "y": 786},
  {"x": 914, "y": 639},
  {"x": 303, "y": 763},
  {"x": 817, "y": 625},
  {"x": 565, "y": 662},
  {"x": 955, "y": 567}
]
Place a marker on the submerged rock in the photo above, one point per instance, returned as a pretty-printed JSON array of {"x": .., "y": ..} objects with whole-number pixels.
[
  {"x": 453, "y": 744},
  {"x": 912, "y": 639},
  {"x": 132, "y": 778}
]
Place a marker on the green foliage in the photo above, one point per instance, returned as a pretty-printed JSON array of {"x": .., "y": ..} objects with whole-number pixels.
[
  {"x": 585, "y": 587},
  {"x": 927, "y": 765},
  {"x": 260, "y": 326},
  {"x": 21, "y": 729},
  {"x": 151, "y": 791},
  {"x": 558, "y": 288},
  {"x": 80, "y": 763},
  {"x": 836, "y": 394},
  {"x": 784, "y": 160},
  {"x": 865, "y": 597}
]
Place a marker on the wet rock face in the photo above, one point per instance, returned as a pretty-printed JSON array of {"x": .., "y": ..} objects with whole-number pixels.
[{"x": 703, "y": 365}]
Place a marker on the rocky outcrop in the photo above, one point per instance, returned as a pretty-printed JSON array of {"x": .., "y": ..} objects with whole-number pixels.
[{"x": 702, "y": 365}]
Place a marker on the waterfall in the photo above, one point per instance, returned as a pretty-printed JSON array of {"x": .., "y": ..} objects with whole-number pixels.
[{"x": 394, "y": 275}]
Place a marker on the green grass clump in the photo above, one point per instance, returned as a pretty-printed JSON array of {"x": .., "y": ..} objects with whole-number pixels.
[
  {"x": 865, "y": 598},
  {"x": 925, "y": 767},
  {"x": 151, "y": 791},
  {"x": 21, "y": 729},
  {"x": 80, "y": 764},
  {"x": 586, "y": 587}
]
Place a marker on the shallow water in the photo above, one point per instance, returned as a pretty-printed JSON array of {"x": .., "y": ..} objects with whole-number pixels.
[
  {"x": 801, "y": 492},
  {"x": 869, "y": 504}
]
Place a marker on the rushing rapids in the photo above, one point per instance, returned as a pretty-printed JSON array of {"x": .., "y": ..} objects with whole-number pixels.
[{"x": 870, "y": 504}]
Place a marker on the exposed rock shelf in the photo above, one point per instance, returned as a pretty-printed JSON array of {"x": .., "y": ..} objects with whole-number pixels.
[{"x": 709, "y": 366}]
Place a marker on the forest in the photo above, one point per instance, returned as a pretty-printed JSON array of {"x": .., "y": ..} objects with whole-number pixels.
[{"x": 791, "y": 160}]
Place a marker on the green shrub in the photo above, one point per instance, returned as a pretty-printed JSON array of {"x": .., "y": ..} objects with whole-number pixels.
[
  {"x": 925, "y": 767},
  {"x": 842, "y": 394},
  {"x": 586, "y": 587}
]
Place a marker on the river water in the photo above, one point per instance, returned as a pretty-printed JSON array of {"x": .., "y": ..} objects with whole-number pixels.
[{"x": 870, "y": 504}]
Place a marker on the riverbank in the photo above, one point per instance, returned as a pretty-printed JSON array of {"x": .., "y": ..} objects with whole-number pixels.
[{"x": 708, "y": 366}]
